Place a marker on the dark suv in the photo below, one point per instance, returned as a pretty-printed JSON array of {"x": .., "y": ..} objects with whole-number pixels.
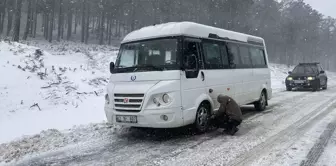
[{"x": 307, "y": 75}]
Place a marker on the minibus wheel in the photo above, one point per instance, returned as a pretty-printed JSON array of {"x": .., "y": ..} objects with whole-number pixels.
[
  {"x": 202, "y": 118},
  {"x": 261, "y": 104}
]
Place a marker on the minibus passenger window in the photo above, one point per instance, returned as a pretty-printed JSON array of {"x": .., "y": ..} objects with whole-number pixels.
[
  {"x": 258, "y": 58},
  {"x": 245, "y": 56},
  {"x": 213, "y": 59},
  {"x": 233, "y": 53}
]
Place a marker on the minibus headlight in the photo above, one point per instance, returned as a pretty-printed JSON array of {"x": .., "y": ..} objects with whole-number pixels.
[
  {"x": 166, "y": 98},
  {"x": 155, "y": 100},
  {"x": 289, "y": 78}
]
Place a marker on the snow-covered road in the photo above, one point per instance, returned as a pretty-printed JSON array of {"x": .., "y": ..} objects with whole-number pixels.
[{"x": 292, "y": 131}]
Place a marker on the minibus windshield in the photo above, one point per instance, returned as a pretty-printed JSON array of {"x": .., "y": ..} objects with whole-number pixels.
[{"x": 150, "y": 55}]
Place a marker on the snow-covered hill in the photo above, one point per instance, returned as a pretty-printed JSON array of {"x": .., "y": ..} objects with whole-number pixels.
[{"x": 41, "y": 90}]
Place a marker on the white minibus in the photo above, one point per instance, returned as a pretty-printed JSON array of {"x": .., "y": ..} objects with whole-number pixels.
[{"x": 170, "y": 75}]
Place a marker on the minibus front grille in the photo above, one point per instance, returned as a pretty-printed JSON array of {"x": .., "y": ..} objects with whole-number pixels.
[
  {"x": 127, "y": 110},
  {"x": 128, "y": 105},
  {"x": 128, "y": 102}
]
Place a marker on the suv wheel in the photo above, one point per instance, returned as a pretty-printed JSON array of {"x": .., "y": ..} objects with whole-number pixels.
[
  {"x": 288, "y": 88},
  {"x": 261, "y": 104},
  {"x": 325, "y": 86},
  {"x": 202, "y": 118}
]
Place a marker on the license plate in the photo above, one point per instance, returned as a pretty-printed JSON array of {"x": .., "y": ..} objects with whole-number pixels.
[
  {"x": 299, "y": 81},
  {"x": 126, "y": 119}
]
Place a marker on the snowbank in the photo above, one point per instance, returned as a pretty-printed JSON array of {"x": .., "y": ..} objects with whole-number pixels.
[{"x": 40, "y": 90}]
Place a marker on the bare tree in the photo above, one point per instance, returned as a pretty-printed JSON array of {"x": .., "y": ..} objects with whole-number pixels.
[
  {"x": 69, "y": 16},
  {"x": 87, "y": 26},
  {"x": 2, "y": 14},
  {"x": 28, "y": 21},
  {"x": 83, "y": 21},
  {"x": 10, "y": 13},
  {"x": 102, "y": 22},
  {"x": 60, "y": 20},
  {"x": 16, "y": 33},
  {"x": 51, "y": 21}
]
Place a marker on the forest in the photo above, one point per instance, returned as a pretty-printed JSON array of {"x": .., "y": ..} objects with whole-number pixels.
[{"x": 293, "y": 30}]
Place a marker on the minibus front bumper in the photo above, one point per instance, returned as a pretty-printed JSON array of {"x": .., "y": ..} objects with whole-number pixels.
[{"x": 158, "y": 118}]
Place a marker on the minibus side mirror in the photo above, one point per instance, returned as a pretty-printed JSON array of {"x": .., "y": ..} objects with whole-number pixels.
[
  {"x": 289, "y": 72},
  {"x": 112, "y": 66},
  {"x": 322, "y": 72}
]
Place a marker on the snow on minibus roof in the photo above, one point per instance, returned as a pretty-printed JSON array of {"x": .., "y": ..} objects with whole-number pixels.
[{"x": 185, "y": 28}]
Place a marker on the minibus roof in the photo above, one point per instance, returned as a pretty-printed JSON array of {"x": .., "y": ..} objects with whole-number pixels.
[{"x": 187, "y": 29}]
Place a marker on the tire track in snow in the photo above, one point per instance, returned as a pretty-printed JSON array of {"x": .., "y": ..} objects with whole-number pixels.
[
  {"x": 290, "y": 133},
  {"x": 318, "y": 148}
]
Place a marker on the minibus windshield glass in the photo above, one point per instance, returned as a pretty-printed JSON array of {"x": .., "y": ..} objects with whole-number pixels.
[{"x": 152, "y": 55}]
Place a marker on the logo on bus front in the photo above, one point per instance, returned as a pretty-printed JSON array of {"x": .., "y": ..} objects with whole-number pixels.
[
  {"x": 125, "y": 100},
  {"x": 133, "y": 78}
]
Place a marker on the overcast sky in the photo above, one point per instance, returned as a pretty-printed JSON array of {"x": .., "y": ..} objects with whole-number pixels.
[{"x": 326, "y": 7}]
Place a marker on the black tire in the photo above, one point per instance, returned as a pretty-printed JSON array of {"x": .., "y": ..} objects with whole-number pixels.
[
  {"x": 202, "y": 121},
  {"x": 288, "y": 88},
  {"x": 325, "y": 86},
  {"x": 261, "y": 104}
]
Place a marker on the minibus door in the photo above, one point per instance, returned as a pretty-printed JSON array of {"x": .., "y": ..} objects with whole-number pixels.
[{"x": 192, "y": 78}]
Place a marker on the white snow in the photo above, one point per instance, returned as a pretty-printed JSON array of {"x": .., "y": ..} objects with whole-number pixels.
[
  {"x": 184, "y": 28},
  {"x": 75, "y": 96}
]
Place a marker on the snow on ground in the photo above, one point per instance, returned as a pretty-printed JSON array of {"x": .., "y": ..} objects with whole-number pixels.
[{"x": 41, "y": 90}]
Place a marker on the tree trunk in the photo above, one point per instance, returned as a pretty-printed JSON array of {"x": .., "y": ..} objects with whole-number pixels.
[
  {"x": 46, "y": 25},
  {"x": 51, "y": 20},
  {"x": 110, "y": 31},
  {"x": 87, "y": 27},
  {"x": 107, "y": 28},
  {"x": 69, "y": 21},
  {"x": 35, "y": 19},
  {"x": 25, "y": 35},
  {"x": 2, "y": 16},
  {"x": 60, "y": 21},
  {"x": 102, "y": 23},
  {"x": 10, "y": 17},
  {"x": 76, "y": 21},
  {"x": 16, "y": 35},
  {"x": 83, "y": 21}
]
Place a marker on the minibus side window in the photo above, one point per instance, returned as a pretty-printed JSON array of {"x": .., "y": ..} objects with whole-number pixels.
[
  {"x": 258, "y": 57},
  {"x": 225, "y": 56},
  {"x": 213, "y": 58},
  {"x": 245, "y": 57},
  {"x": 190, "y": 58},
  {"x": 233, "y": 55}
]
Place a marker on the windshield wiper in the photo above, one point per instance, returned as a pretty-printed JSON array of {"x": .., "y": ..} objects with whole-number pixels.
[{"x": 149, "y": 66}]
